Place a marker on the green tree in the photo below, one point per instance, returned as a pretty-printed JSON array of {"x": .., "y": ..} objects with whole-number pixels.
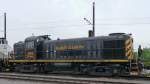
[{"x": 146, "y": 56}]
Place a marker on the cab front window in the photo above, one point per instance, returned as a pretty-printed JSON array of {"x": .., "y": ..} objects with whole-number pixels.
[{"x": 29, "y": 45}]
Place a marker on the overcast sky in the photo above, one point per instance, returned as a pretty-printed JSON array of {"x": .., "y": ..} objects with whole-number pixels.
[{"x": 64, "y": 18}]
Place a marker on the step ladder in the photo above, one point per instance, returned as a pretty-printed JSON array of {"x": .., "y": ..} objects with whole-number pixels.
[{"x": 134, "y": 67}]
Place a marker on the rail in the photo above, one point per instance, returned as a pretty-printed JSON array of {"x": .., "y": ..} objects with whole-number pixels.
[{"x": 69, "y": 79}]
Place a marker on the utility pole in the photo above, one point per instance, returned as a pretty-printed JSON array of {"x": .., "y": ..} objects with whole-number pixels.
[
  {"x": 93, "y": 22},
  {"x": 5, "y": 25},
  {"x": 93, "y": 19}
]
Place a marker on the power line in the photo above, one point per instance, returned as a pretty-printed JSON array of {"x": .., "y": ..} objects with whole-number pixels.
[
  {"x": 70, "y": 26},
  {"x": 124, "y": 18},
  {"x": 124, "y": 23},
  {"x": 78, "y": 25},
  {"x": 66, "y": 23}
]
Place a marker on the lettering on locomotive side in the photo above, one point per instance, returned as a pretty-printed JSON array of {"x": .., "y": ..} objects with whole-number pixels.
[{"x": 69, "y": 47}]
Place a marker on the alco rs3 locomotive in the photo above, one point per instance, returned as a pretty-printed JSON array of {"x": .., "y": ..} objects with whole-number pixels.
[{"x": 101, "y": 55}]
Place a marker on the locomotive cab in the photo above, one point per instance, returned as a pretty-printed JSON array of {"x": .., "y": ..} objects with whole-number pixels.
[{"x": 34, "y": 47}]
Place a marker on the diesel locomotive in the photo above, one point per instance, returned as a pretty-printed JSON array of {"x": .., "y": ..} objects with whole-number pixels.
[{"x": 101, "y": 55}]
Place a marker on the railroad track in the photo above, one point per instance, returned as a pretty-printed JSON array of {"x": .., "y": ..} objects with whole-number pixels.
[{"x": 69, "y": 79}]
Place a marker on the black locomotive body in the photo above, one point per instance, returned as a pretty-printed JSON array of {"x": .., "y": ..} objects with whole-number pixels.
[
  {"x": 95, "y": 48},
  {"x": 103, "y": 55}
]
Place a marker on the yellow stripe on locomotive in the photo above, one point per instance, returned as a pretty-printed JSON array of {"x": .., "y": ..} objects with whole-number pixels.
[{"x": 59, "y": 61}]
